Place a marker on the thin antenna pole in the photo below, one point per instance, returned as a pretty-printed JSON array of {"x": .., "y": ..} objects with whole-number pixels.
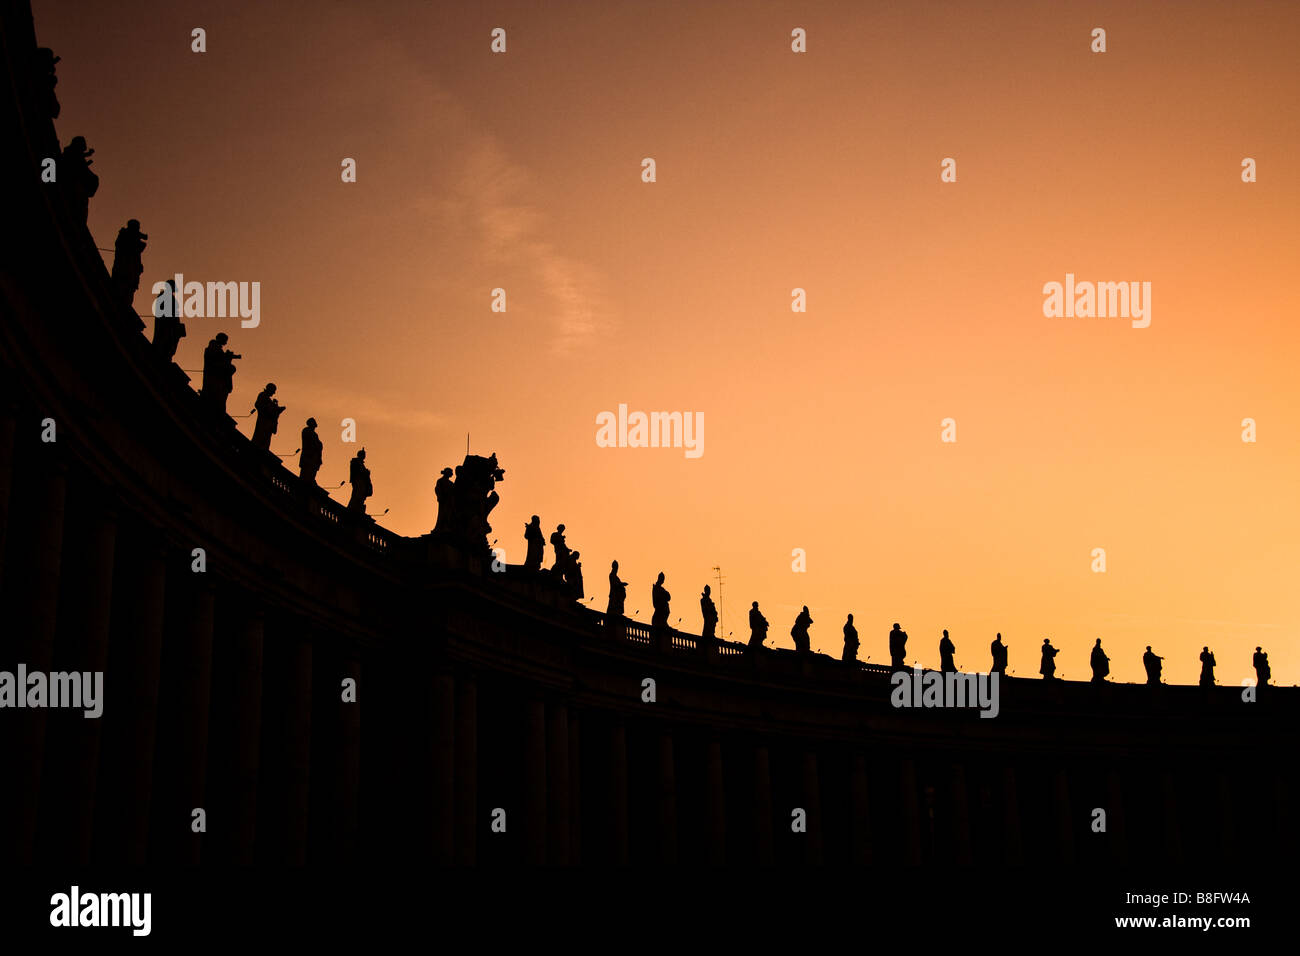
[
  {"x": 467, "y": 443},
  {"x": 722, "y": 627}
]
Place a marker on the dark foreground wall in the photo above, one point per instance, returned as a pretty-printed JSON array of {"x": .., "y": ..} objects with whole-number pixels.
[{"x": 494, "y": 722}]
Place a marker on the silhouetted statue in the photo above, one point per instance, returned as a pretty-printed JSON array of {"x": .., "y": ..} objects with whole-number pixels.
[
  {"x": 536, "y": 542},
  {"x": 573, "y": 576},
  {"x": 128, "y": 262},
  {"x": 444, "y": 490},
  {"x": 561, "y": 551},
  {"x": 46, "y": 80},
  {"x": 659, "y": 598},
  {"x": 757, "y": 626},
  {"x": 1152, "y": 664},
  {"x": 168, "y": 329},
  {"x": 946, "y": 650},
  {"x": 1262, "y": 670},
  {"x": 1048, "y": 666},
  {"x": 1207, "y": 667},
  {"x": 999, "y": 651},
  {"x": 75, "y": 177},
  {"x": 617, "y": 595},
  {"x": 268, "y": 417},
  {"x": 1100, "y": 663},
  {"x": 799, "y": 632},
  {"x": 218, "y": 373},
  {"x": 850, "y": 641},
  {"x": 898, "y": 648},
  {"x": 464, "y": 504},
  {"x": 309, "y": 460},
  {"x": 709, "y": 613},
  {"x": 359, "y": 476}
]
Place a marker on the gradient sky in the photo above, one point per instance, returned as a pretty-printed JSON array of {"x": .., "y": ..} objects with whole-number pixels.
[{"x": 775, "y": 171}]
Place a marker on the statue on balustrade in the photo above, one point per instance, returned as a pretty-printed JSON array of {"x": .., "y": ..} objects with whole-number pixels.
[
  {"x": 465, "y": 504},
  {"x": 76, "y": 179},
  {"x": 536, "y": 544},
  {"x": 1207, "y": 667},
  {"x": 799, "y": 632},
  {"x": 898, "y": 648},
  {"x": 444, "y": 489},
  {"x": 999, "y": 652},
  {"x": 268, "y": 417},
  {"x": 1100, "y": 663},
  {"x": 128, "y": 262},
  {"x": 1047, "y": 666},
  {"x": 659, "y": 598},
  {"x": 757, "y": 626},
  {"x": 709, "y": 613},
  {"x": 1262, "y": 671},
  {"x": 168, "y": 329},
  {"x": 573, "y": 577},
  {"x": 1152, "y": 664},
  {"x": 617, "y": 598},
  {"x": 309, "y": 461},
  {"x": 851, "y": 642},
  {"x": 46, "y": 81},
  {"x": 947, "y": 649},
  {"x": 359, "y": 477},
  {"x": 561, "y": 552},
  {"x": 218, "y": 373}
]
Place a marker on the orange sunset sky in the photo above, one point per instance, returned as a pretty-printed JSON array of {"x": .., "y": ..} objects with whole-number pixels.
[{"x": 775, "y": 170}]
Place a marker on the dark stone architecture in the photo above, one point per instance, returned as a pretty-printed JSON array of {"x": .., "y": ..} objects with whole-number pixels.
[{"x": 477, "y": 693}]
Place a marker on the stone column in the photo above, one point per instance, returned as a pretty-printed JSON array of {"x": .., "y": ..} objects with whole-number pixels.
[
  {"x": 33, "y": 643},
  {"x": 91, "y": 654},
  {"x": 717, "y": 805},
  {"x": 618, "y": 790},
  {"x": 575, "y": 788},
  {"x": 132, "y": 690},
  {"x": 557, "y": 784},
  {"x": 442, "y": 767},
  {"x": 1011, "y": 837},
  {"x": 8, "y": 431},
  {"x": 861, "y": 811},
  {"x": 1115, "y": 823},
  {"x": 762, "y": 807},
  {"x": 960, "y": 816},
  {"x": 246, "y": 744},
  {"x": 911, "y": 836},
  {"x": 298, "y": 752},
  {"x": 195, "y": 701},
  {"x": 1064, "y": 815},
  {"x": 812, "y": 798},
  {"x": 1169, "y": 806},
  {"x": 466, "y": 771},
  {"x": 535, "y": 783},
  {"x": 1227, "y": 831},
  {"x": 667, "y": 800},
  {"x": 347, "y": 808}
]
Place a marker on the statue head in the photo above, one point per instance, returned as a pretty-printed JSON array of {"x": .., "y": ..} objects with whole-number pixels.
[
  {"x": 221, "y": 338},
  {"x": 311, "y": 423},
  {"x": 270, "y": 388},
  {"x": 446, "y": 473},
  {"x": 613, "y": 565},
  {"x": 559, "y": 529},
  {"x": 850, "y": 618},
  {"x": 707, "y": 591},
  {"x": 361, "y": 454},
  {"x": 660, "y": 579},
  {"x": 945, "y": 633},
  {"x": 536, "y": 520}
]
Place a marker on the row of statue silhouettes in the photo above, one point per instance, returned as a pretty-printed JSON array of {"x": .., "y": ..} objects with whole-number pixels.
[
  {"x": 567, "y": 569},
  {"x": 71, "y": 174}
]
